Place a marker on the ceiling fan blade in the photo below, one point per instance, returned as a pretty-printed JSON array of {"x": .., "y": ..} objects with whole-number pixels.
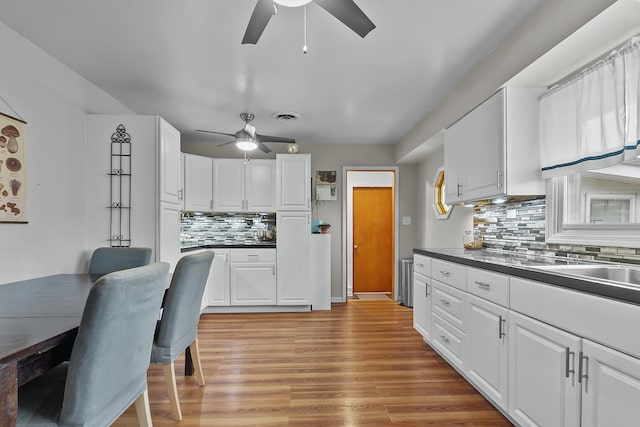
[
  {"x": 267, "y": 138},
  {"x": 219, "y": 133},
  {"x": 259, "y": 19},
  {"x": 225, "y": 143},
  {"x": 263, "y": 148},
  {"x": 349, "y": 13}
]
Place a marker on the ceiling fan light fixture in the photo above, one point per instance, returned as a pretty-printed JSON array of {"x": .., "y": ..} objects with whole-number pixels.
[
  {"x": 292, "y": 3},
  {"x": 246, "y": 144}
]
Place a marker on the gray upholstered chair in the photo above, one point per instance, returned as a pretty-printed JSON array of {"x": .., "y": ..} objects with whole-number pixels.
[
  {"x": 107, "y": 260},
  {"x": 178, "y": 327},
  {"x": 107, "y": 371}
]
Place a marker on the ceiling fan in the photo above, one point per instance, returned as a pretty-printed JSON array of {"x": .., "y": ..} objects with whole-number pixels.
[
  {"x": 345, "y": 11},
  {"x": 248, "y": 139}
]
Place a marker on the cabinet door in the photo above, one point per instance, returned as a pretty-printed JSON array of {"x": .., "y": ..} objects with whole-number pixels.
[
  {"x": 543, "y": 386},
  {"x": 483, "y": 151},
  {"x": 217, "y": 293},
  {"x": 422, "y": 305},
  {"x": 487, "y": 349},
  {"x": 169, "y": 142},
  {"x": 253, "y": 284},
  {"x": 610, "y": 387},
  {"x": 198, "y": 179},
  {"x": 228, "y": 185},
  {"x": 453, "y": 138},
  {"x": 261, "y": 186},
  {"x": 292, "y": 254},
  {"x": 168, "y": 234},
  {"x": 293, "y": 182}
]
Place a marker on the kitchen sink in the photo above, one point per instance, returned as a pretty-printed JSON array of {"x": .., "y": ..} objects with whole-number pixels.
[{"x": 613, "y": 273}]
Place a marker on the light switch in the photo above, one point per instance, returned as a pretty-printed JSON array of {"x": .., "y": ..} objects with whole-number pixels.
[{"x": 406, "y": 220}]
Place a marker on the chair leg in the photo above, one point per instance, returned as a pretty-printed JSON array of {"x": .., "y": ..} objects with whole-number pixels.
[
  {"x": 142, "y": 410},
  {"x": 195, "y": 355},
  {"x": 172, "y": 390}
]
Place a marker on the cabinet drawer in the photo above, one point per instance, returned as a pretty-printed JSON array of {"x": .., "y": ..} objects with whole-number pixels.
[
  {"x": 449, "y": 341},
  {"x": 422, "y": 265},
  {"x": 449, "y": 273},
  {"x": 488, "y": 285},
  {"x": 449, "y": 303},
  {"x": 253, "y": 255}
]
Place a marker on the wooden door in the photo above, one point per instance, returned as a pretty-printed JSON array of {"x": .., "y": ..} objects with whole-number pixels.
[{"x": 373, "y": 239}]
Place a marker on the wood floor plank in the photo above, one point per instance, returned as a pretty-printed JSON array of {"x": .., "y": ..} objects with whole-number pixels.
[{"x": 361, "y": 363}]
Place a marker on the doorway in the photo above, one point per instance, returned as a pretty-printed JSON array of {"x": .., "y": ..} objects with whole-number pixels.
[
  {"x": 372, "y": 239},
  {"x": 370, "y": 199}
]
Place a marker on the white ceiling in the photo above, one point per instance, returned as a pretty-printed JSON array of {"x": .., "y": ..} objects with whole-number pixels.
[{"x": 183, "y": 60}]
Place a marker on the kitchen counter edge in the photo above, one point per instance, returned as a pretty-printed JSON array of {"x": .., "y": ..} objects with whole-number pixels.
[{"x": 505, "y": 263}]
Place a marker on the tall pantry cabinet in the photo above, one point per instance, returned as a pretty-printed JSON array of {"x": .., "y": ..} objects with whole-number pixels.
[
  {"x": 293, "y": 195},
  {"x": 155, "y": 186}
]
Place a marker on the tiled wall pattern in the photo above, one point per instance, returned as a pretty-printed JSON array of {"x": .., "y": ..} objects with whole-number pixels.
[
  {"x": 224, "y": 228},
  {"x": 520, "y": 226}
]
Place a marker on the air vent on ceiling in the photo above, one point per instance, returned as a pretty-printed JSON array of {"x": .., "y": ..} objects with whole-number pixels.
[{"x": 286, "y": 116}]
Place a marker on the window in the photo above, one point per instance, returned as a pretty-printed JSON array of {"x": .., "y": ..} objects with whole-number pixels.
[{"x": 595, "y": 207}]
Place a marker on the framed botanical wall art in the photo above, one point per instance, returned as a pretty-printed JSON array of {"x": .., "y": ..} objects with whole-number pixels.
[{"x": 12, "y": 170}]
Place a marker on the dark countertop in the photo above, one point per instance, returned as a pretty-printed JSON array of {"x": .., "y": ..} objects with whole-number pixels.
[
  {"x": 257, "y": 245},
  {"x": 524, "y": 266}
]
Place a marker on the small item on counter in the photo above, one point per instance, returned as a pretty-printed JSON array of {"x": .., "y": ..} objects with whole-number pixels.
[{"x": 472, "y": 239}]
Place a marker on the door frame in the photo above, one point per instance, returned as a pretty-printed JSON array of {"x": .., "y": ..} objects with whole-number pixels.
[{"x": 347, "y": 196}]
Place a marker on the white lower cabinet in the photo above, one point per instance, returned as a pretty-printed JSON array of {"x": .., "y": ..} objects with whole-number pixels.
[
  {"x": 488, "y": 349},
  {"x": 253, "y": 276},
  {"x": 217, "y": 292},
  {"x": 422, "y": 305},
  {"x": 543, "y": 382},
  {"x": 542, "y": 354},
  {"x": 294, "y": 231},
  {"x": 610, "y": 387}
]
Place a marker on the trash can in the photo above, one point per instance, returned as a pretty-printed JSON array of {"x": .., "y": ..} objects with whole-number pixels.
[{"x": 405, "y": 294}]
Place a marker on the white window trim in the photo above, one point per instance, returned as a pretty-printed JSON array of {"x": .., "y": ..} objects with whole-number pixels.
[{"x": 614, "y": 235}]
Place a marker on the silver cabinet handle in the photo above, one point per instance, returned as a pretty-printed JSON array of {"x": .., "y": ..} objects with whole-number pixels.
[
  {"x": 180, "y": 194},
  {"x": 426, "y": 295},
  {"x": 444, "y": 339},
  {"x": 273, "y": 270},
  {"x": 444, "y": 302},
  {"x": 419, "y": 264},
  {"x": 499, "y": 179},
  {"x": 483, "y": 285},
  {"x": 444, "y": 272},
  {"x": 459, "y": 189},
  {"x": 569, "y": 354},
  {"x": 583, "y": 368},
  {"x": 501, "y": 324}
]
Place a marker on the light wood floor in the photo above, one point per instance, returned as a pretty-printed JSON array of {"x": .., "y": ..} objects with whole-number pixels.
[{"x": 361, "y": 363}]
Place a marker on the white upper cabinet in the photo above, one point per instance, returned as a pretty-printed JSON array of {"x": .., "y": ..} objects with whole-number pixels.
[
  {"x": 238, "y": 187},
  {"x": 260, "y": 182},
  {"x": 493, "y": 150},
  {"x": 198, "y": 183},
  {"x": 170, "y": 170},
  {"x": 293, "y": 182}
]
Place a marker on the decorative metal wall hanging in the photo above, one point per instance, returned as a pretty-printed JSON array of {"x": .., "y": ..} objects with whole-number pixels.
[{"x": 120, "y": 183}]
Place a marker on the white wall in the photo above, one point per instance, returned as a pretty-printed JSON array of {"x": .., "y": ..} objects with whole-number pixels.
[
  {"x": 431, "y": 231},
  {"x": 53, "y": 100}
]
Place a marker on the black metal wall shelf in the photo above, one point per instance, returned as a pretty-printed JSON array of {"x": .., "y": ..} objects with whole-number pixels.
[{"x": 120, "y": 189}]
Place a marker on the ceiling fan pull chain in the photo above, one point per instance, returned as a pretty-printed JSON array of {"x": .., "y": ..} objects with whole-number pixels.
[{"x": 304, "y": 48}]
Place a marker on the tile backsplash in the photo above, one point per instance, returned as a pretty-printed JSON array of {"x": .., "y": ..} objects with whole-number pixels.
[
  {"x": 520, "y": 226},
  {"x": 224, "y": 228}
]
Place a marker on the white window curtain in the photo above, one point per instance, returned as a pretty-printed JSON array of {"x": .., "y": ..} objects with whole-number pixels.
[{"x": 591, "y": 121}]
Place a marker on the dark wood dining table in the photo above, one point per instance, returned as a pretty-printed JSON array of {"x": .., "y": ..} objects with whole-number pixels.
[{"x": 39, "y": 321}]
